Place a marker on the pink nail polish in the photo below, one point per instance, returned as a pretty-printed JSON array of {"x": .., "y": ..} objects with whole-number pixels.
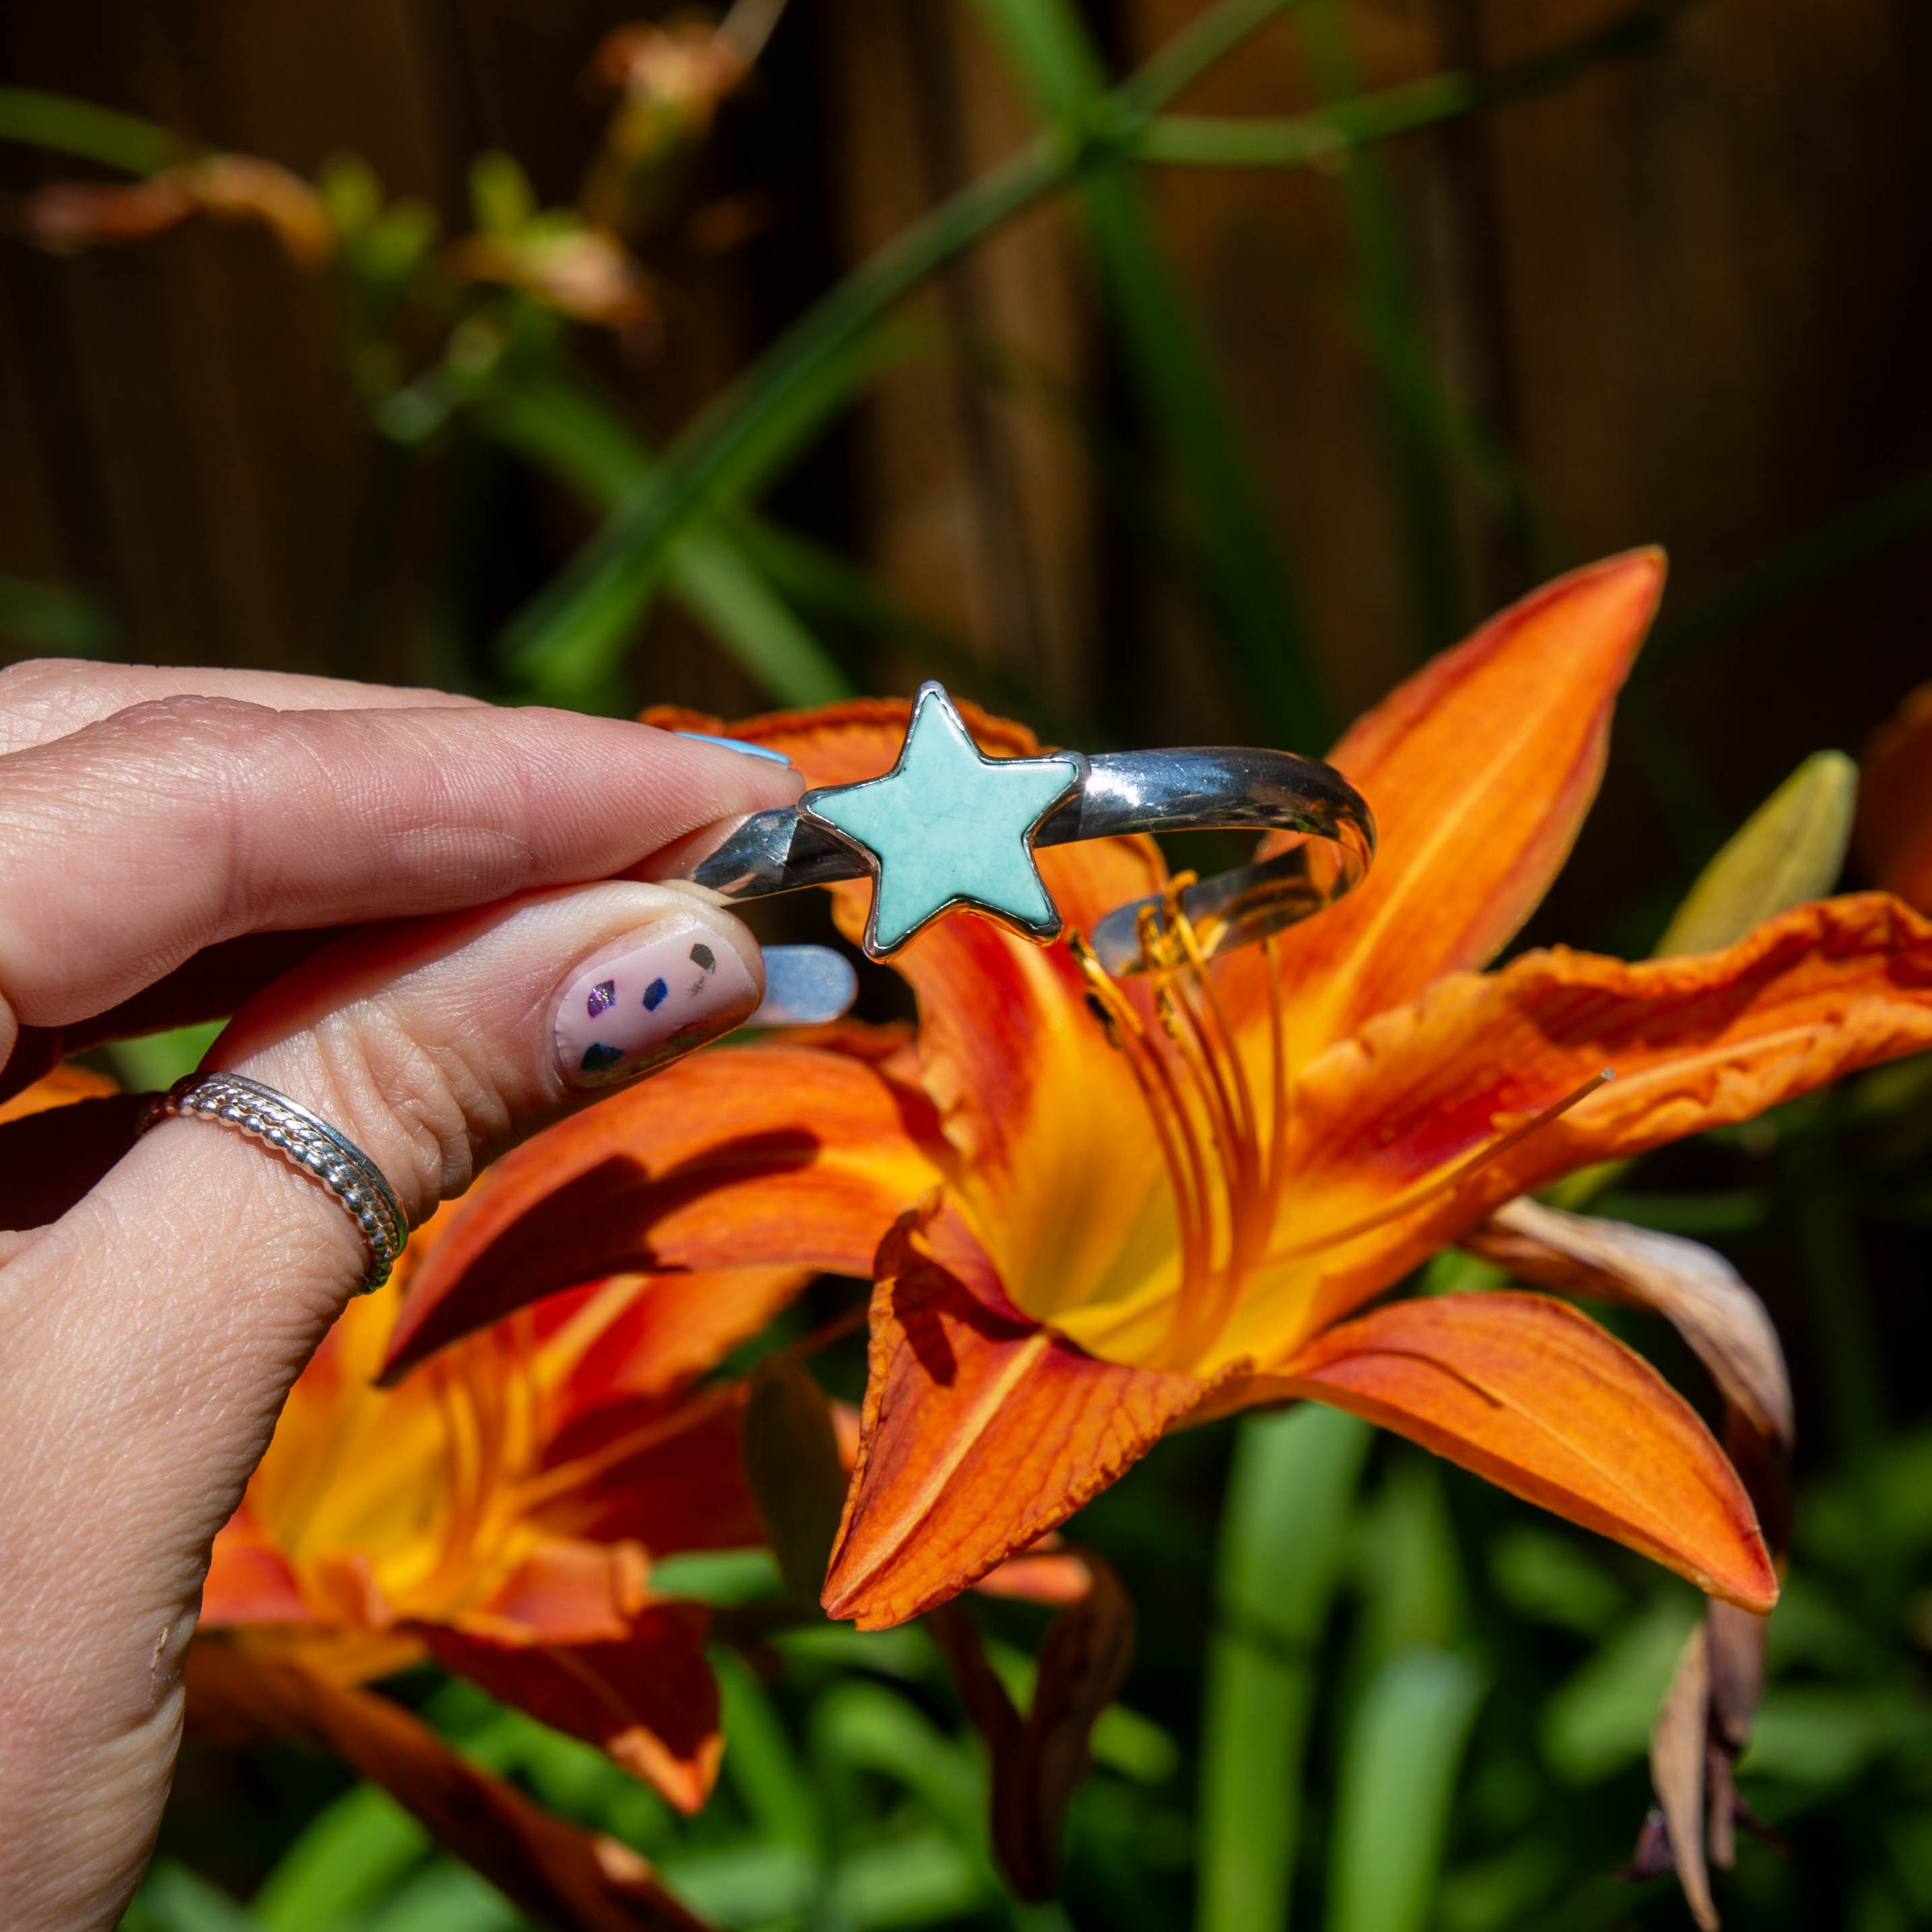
[{"x": 629, "y": 1011}]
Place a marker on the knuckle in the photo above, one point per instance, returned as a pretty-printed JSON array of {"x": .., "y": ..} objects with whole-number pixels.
[{"x": 427, "y": 1116}]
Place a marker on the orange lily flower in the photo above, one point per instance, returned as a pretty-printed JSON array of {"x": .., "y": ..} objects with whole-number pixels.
[
  {"x": 500, "y": 1508},
  {"x": 1110, "y": 1208},
  {"x": 1894, "y": 802}
]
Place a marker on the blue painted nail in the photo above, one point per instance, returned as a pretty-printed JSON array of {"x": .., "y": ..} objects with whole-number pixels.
[
  {"x": 743, "y": 744},
  {"x": 805, "y": 986}
]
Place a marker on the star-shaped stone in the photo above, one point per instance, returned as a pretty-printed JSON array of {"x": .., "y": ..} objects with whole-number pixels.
[{"x": 947, "y": 827}]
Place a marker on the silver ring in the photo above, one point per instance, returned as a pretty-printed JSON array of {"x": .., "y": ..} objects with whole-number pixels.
[
  {"x": 306, "y": 1142},
  {"x": 947, "y": 822}
]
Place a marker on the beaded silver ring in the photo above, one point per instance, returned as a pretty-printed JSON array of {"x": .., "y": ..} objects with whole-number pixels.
[{"x": 306, "y": 1142}]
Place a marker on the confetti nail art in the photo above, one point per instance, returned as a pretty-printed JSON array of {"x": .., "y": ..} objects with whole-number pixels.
[{"x": 626, "y": 1012}]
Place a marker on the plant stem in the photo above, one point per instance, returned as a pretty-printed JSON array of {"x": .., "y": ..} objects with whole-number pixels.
[{"x": 1282, "y": 1538}]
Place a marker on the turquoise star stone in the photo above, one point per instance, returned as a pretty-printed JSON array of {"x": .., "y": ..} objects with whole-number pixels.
[{"x": 949, "y": 826}]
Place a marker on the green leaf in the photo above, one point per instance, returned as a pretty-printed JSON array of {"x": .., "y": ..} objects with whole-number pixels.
[
  {"x": 746, "y": 1884},
  {"x": 582, "y": 439},
  {"x": 1283, "y": 1537},
  {"x": 501, "y": 197},
  {"x": 585, "y": 618},
  {"x": 1409, "y": 1572},
  {"x": 760, "y": 1763},
  {"x": 1399, "y": 1764},
  {"x": 1541, "y": 1574},
  {"x": 57, "y": 619},
  {"x": 1819, "y": 1736},
  {"x": 350, "y": 191},
  {"x": 31, "y": 115},
  {"x": 1167, "y": 355},
  {"x": 173, "y": 1899},
  {"x": 923, "y": 1879},
  {"x": 1792, "y": 848},
  {"x": 866, "y": 1727},
  {"x": 448, "y": 1898},
  {"x": 791, "y": 1463},
  {"x": 722, "y": 1577},
  {"x": 352, "y": 1854},
  {"x": 1601, "y": 1720},
  {"x": 156, "y": 1060}
]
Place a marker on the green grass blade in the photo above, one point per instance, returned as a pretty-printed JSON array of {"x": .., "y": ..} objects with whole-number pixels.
[
  {"x": 1390, "y": 324},
  {"x": 1257, "y": 608},
  {"x": 582, "y": 440},
  {"x": 447, "y": 1898},
  {"x": 585, "y": 617},
  {"x": 1399, "y": 1764},
  {"x": 57, "y": 619},
  {"x": 1282, "y": 1542},
  {"x": 155, "y": 1060},
  {"x": 586, "y": 614},
  {"x": 1812, "y": 557},
  {"x": 1210, "y": 37},
  {"x": 1298, "y": 140},
  {"x": 761, "y": 1764},
  {"x": 352, "y": 1855},
  {"x": 40, "y": 119},
  {"x": 173, "y": 1899}
]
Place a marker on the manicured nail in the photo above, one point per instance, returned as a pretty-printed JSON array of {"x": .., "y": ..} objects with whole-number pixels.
[
  {"x": 805, "y": 986},
  {"x": 743, "y": 744},
  {"x": 633, "y": 1009}
]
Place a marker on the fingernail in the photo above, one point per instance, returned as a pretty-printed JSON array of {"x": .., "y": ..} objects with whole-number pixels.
[
  {"x": 633, "y": 1008},
  {"x": 743, "y": 744},
  {"x": 805, "y": 986}
]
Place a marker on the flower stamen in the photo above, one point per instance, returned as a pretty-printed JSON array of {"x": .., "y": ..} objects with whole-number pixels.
[{"x": 1447, "y": 1183}]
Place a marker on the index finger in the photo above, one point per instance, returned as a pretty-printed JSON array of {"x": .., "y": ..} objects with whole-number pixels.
[
  {"x": 42, "y": 698},
  {"x": 132, "y": 844}
]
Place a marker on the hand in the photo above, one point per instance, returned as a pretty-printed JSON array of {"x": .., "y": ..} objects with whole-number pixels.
[{"x": 465, "y": 881}]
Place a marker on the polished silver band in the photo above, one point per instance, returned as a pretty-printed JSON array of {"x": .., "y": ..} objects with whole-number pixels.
[
  {"x": 1202, "y": 789},
  {"x": 306, "y": 1142}
]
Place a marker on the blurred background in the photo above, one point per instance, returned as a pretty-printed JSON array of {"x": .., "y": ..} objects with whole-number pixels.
[{"x": 551, "y": 357}]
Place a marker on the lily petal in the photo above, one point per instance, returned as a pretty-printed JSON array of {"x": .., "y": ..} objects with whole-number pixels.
[
  {"x": 1397, "y": 1112},
  {"x": 770, "y": 1155},
  {"x": 1894, "y": 832},
  {"x": 1480, "y": 769},
  {"x": 649, "y": 1700},
  {"x": 1533, "y": 1396},
  {"x": 249, "y": 1581},
  {"x": 644, "y": 1334},
  {"x": 669, "y": 1476},
  {"x": 555, "y": 1871},
  {"x": 67, "y": 1083},
  {"x": 52, "y": 1156},
  {"x": 566, "y": 1590},
  {"x": 982, "y": 1429}
]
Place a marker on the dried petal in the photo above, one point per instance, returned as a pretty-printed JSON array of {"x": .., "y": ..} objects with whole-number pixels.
[
  {"x": 1690, "y": 1285},
  {"x": 1038, "y": 1763}
]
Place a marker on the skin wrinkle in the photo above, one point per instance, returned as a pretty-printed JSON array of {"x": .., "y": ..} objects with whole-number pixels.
[{"x": 42, "y": 697}]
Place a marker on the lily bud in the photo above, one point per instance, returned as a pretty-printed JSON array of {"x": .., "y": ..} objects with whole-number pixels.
[{"x": 1790, "y": 850}]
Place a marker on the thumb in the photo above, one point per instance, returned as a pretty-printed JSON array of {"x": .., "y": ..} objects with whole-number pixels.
[
  {"x": 436, "y": 1044},
  {"x": 154, "y": 1330}
]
